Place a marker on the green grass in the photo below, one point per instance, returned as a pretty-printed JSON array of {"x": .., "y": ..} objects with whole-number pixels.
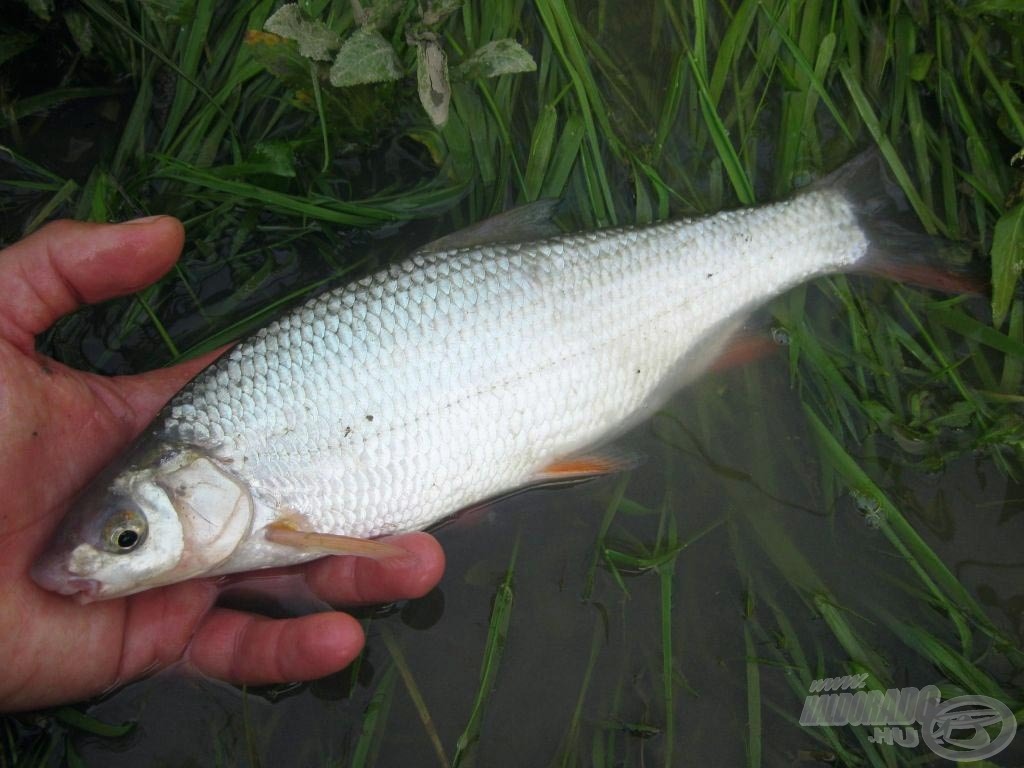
[{"x": 286, "y": 183}]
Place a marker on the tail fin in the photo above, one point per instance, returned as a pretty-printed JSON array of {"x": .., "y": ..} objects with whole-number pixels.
[{"x": 899, "y": 249}]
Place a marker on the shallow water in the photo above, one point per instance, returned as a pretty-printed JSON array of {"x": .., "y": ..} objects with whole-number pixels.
[{"x": 581, "y": 678}]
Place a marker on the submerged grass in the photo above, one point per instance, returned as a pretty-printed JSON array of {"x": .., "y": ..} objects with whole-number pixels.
[
  {"x": 413, "y": 689},
  {"x": 497, "y": 635},
  {"x": 664, "y": 109}
]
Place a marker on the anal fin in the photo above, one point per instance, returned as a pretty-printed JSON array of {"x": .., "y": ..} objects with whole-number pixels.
[{"x": 584, "y": 467}]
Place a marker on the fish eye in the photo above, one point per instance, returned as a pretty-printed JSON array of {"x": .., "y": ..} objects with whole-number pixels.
[{"x": 125, "y": 529}]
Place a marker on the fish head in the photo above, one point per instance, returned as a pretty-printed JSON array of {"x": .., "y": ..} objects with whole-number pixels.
[{"x": 161, "y": 515}]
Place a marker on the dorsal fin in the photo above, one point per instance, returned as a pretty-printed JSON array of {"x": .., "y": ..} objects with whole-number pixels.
[{"x": 533, "y": 221}]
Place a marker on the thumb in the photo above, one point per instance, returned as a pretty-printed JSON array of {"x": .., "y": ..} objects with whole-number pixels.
[{"x": 68, "y": 263}]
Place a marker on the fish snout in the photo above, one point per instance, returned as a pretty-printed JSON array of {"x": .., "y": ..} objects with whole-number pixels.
[{"x": 53, "y": 574}]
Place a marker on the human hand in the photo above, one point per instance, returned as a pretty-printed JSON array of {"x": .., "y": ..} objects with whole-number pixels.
[{"x": 58, "y": 427}]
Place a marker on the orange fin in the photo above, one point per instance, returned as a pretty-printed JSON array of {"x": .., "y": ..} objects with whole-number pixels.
[
  {"x": 583, "y": 467},
  {"x": 331, "y": 543}
]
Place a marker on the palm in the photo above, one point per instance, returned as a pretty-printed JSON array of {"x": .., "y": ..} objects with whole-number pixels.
[{"x": 57, "y": 428}]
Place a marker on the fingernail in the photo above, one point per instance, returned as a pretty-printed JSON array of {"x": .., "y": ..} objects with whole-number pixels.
[{"x": 145, "y": 219}]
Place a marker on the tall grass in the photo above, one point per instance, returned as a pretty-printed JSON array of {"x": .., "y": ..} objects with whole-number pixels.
[{"x": 633, "y": 115}]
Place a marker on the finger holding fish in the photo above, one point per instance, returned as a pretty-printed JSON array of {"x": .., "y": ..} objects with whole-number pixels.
[
  {"x": 413, "y": 566},
  {"x": 242, "y": 647},
  {"x": 245, "y": 648},
  {"x": 354, "y": 581}
]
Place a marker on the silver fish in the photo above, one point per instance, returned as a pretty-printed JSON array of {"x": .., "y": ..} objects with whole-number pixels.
[{"x": 457, "y": 375}]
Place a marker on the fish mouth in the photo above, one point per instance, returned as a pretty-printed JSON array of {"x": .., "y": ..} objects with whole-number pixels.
[
  {"x": 85, "y": 590},
  {"x": 56, "y": 578}
]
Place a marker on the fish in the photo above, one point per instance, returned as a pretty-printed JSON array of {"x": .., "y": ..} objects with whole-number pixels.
[{"x": 496, "y": 359}]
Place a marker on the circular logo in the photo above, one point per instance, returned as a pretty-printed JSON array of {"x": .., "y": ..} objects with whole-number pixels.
[{"x": 957, "y": 728}]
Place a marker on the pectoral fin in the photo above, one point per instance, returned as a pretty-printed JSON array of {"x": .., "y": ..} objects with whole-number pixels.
[{"x": 330, "y": 543}]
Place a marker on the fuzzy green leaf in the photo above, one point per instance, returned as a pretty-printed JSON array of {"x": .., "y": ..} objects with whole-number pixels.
[
  {"x": 376, "y": 13},
  {"x": 278, "y": 157},
  {"x": 499, "y": 57},
  {"x": 1007, "y": 260},
  {"x": 315, "y": 40},
  {"x": 366, "y": 57},
  {"x": 438, "y": 10},
  {"x": 286, "y": 21}
]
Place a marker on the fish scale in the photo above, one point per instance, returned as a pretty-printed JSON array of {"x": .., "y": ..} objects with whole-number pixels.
[{"x": 481, "y": 366}]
